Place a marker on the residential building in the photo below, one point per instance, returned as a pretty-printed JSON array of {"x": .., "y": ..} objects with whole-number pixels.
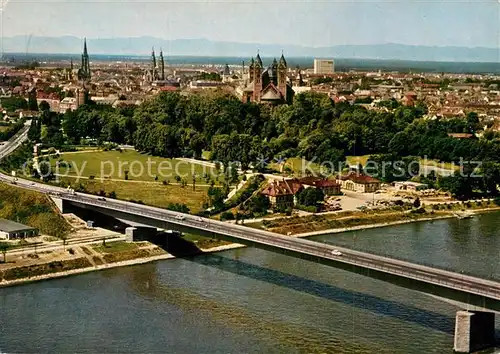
[
  {"x": 12, "y": 230},
  {"x": 281, "y": 194},
  {"x": 358, "y": 182},
  {"x": 324, "y": 66},
  {"x": 328, "y": 186}
]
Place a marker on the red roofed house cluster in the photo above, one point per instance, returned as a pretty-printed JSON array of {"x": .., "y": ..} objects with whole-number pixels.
[{"x": 282, "y": 193}]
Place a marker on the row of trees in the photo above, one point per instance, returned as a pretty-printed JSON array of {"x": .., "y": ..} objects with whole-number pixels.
[{"x": 172, "y": 125}]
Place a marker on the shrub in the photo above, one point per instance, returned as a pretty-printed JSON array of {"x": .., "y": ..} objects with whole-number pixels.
[{"x": 227, "y": 215}]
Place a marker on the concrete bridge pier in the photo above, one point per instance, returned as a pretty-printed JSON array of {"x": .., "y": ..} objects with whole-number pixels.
[
  {"x": 474, "y": 331},
  {"x": 59, "y": 203}
]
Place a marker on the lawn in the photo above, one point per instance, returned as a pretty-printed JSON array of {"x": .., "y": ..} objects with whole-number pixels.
[
  {"x": 33, "y": 209},
  {"x": 154, "y": 194},
  {"x": 298, "y": 166},
  {"x": 437, "y": 163},
  {"x": 140, "y": 167},
  {"x": 356, "y": 160}
]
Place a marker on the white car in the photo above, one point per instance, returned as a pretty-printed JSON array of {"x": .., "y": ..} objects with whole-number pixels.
[
  {"x": 179, "y": 217},
  {"x": 336, "y": 253},
  {"x": 199, "y": 218}
]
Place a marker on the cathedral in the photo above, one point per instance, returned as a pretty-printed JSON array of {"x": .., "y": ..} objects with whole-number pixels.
[
  {"x": 84, "y": 71},
  {"x": 156, "y": 71},
  {"x": 267, "y": 85}
]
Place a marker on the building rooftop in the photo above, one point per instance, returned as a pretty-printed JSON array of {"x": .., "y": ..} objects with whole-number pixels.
[{"x": 11, "y": 226}]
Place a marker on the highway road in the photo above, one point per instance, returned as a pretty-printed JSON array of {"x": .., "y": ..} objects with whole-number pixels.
[
  {"x": 9, "y": 146},
  {"x": 455, "y": 281}
]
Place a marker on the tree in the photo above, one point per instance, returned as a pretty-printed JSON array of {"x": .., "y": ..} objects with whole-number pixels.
[
  {"x": 64, "y": 239},
  {"x": 310, "y": 196},
  {"x": 216, "y": 197},
  {"x": 32, "y": 103},
  {"x": 259, "y": 204},
  {"x": 181, "y": 208},
  {"x": 44, "y": 106},
  {"x": 4, "y": 248},
  {"x": 13, "y": 103}
]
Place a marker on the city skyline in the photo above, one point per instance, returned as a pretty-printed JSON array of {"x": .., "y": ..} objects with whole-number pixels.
[{"x": 310, "y": 23}]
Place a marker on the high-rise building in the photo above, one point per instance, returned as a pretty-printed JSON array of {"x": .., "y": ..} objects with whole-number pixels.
[{"x": 324, "y": 66}]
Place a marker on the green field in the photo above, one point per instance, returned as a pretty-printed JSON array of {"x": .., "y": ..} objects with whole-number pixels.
[
  {"x": 113, "y": 164},
  {"x": 436, "y": 163},
  {"x": 33, "y": 209},
  {"x": 297, "y": 165},
  {"x": 154, "y": 194},
  {"x": 356, "y": 160}
]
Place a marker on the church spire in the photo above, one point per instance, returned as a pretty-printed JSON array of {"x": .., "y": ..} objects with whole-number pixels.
[
  {"x": 162, "y": 65},
  {"x": 258, "y": 60},
  {"x": 84, "y": 72},
  {"x": 153, "y": 64}
]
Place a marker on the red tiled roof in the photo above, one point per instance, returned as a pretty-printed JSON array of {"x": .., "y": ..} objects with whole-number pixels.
[
  {"x": 276, "y": 188},
  {"x": 359, "y": 178},
  {"x": 169, "y": 88},
  {"x": 326, "y": 183}
]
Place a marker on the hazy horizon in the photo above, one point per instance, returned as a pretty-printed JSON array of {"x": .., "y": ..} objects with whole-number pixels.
[{"x": 312, "y": 23}]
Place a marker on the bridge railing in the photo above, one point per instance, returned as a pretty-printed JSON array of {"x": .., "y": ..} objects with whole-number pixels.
[{"x": 293, "y": 244}]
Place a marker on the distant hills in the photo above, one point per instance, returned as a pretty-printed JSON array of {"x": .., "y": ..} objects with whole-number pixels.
[{"x": 204, "y": 47}]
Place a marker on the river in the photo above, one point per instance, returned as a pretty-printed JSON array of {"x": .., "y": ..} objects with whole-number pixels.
[{"x": 253, "y": 301}]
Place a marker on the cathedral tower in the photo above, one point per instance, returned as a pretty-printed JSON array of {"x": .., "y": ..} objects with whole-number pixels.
[
  {"x": 257, "y": 78},
  {"x": 153, "y": 65},
  {"x": 84, "y": 72},
  {"x": 162, "y": 66},
  {"x": 282, "y": 68}
]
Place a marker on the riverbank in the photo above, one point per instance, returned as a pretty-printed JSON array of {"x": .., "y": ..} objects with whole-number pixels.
[
  {"x": 97, "y": 267},
  {"x": 90, "y": 258},
  {"x": 386, "y": 224},
  {"x": 322, "y": 224}
]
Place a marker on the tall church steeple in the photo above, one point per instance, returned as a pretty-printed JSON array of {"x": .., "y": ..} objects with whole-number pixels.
[
  {"x": 84, "y": 72},
  {"x": 282, "y": 69},
  {"x": 162, "y": 65},
  {"x": 153, "y": 64}
]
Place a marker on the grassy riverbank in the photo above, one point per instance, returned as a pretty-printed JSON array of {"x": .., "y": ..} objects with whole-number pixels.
[
  {"x": 33, "y": 209},
  {"x": 316, "y": 224},
  {"x": 30, "y": 267}
]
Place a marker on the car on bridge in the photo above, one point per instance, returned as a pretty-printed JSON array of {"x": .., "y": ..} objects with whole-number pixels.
[
  {"x": 336, "y": 253},
  {"x": 180, "y": 217},
  {"x": 101, "y": 199}
]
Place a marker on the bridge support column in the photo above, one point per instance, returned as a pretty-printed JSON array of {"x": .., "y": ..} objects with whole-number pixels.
[
  {"x": 59, "y": 203},
  {"x": 474, "y": 331}
]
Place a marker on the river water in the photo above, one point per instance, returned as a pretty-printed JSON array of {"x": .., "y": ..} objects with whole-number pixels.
[{"x": 253, "y": 301}]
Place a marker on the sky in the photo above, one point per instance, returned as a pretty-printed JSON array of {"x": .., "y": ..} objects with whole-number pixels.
[{"x": 471, "y": 23}]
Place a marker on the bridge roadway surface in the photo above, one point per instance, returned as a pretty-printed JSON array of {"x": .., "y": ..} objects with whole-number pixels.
[{"x": 478, "y": 292}]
